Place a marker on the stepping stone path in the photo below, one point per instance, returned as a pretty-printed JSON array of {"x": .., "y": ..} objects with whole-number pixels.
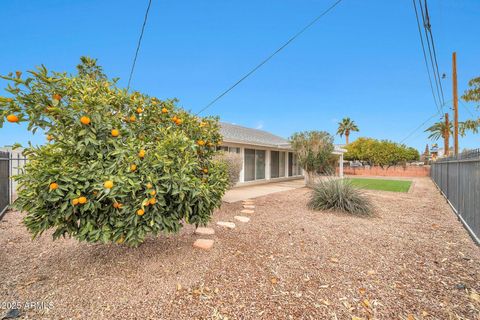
[
  {"x": 207, "y": 244},
  {"x": 242, "y": 219},
  {"x": 204, "y": 244},
  {"x": 229, "y": 225},
  {"x": 204, "y": 231}
]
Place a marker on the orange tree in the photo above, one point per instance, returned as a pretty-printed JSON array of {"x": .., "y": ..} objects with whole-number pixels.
[{"x": 117, "y": 165}]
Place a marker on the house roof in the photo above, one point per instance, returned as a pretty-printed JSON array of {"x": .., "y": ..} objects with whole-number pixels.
[{"x": 238, "y": 134}]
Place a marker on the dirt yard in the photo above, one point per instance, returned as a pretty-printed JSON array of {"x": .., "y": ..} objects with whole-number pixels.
[{"x": 413, "y": 260}]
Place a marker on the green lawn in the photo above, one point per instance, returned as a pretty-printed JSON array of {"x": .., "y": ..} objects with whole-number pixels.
[{"x": 381, "y": 184}]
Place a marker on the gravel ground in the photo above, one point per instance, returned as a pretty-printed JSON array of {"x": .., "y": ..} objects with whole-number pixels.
[{"x": 413, "y": 260}]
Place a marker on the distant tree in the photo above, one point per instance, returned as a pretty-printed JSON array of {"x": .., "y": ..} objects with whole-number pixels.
[
  {"x": 345, "y": 127},
  {"x": 314, "y": 152},
  {"x": 382, "y": 153},
  {"x": 427, "y": 151}
]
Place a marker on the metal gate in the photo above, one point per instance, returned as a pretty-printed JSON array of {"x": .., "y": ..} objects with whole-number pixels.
[{"x": 4, "y": 181}]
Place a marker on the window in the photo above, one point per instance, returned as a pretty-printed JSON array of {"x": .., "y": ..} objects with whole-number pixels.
[
  {"x": 281, "y": 165},
  {"x": 254, "y": 162},
  {"x": 228, "y": 149},
  {"x": 293, "y": 166},
  {"x": 274, "y": 164}
]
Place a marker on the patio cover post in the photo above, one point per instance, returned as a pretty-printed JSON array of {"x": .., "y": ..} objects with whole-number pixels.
[{"x": 340, "y": 163}]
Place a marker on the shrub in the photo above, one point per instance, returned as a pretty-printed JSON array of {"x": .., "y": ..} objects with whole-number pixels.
[
  {"x": 339, "y": 195},
  {"x": 118, "y": 165},
  {"x": 233, "y": 162}
]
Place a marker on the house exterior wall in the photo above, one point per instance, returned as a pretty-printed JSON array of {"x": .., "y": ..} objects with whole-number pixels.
[{"x": 268, "y": 159}]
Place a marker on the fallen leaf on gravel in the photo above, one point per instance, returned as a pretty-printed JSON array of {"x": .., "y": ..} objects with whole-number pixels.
[
  {"x": 334, "y": 260},
  {"x": 362, "y": 290},
  {"x": 357, "y": 318},
  {"x": 425, "y": 313},
  {"x": 475, "y": 296},
  {"x": 179, "y": 287},
  {"x": 366, "y": 303},
  {"x": 410, "y": 317},
  {"x": 216, "y": 290},
  {"x": 370, "y": 272},
  {"x": 273, "y": 280},
  {"x": 325, "y": 302}
]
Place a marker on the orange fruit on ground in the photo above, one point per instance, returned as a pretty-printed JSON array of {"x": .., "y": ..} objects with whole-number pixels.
[
  {"x": 53, "y": 186},
  {"x": 85, "y": 120},
  {"x": 75, "y": 202},
  {"x": 133, "y": 167},
  {"x": 139, "y": 110},
  {"x": 164, "y": 110},
  {"x": 82, "y": 200},
  {"x": 12, "y": 118},
  {"x": 140, "y": 212},
  {"x": 201, "y": 142},
  {"x": 141, "y": 153},
  {"x": 153, "y": 201},
  {"x": 153, "y": 192},
  {"x": 149, "y": 186},
  {"x": 132, "y": 118},
  {"x": 108, "y": 184},
  {"x": 56, "y": 96},
  {"x": 49, "y": 137}
]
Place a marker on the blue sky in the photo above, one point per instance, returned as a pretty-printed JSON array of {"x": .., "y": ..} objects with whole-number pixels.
[{"x": 363, "y": 60}]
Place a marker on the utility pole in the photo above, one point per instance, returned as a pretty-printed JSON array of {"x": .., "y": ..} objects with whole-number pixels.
[
  {"x": 455, "y": 102},
  {"x": 446, "y": 137}
]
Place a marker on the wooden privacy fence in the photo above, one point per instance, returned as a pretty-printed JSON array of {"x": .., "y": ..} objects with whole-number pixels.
[{"x": 458, "y": 178}]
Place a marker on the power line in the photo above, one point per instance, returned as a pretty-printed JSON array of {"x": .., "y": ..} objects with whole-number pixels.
[
  {"x": 428, "y": 30},
  {"x": 420, "y": 126},
  {"x": 425, "y": 56},
  {"x": 427, "y": 26},
  {"x": 270, "y": 56},
  {"x": 138, "y": 44}
]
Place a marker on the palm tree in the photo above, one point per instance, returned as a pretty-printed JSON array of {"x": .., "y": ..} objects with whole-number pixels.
[
  {"x": 345, "y": 127},
  {"x": 439, "y": 130}
]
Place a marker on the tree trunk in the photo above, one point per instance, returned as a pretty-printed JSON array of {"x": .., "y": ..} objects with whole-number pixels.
[{"x": 347, "y": 134}]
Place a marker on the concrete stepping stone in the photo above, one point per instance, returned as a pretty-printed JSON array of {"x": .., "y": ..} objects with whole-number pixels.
[
  {"x": 247, "y": 211},
  {"x": 242, "y": 219},
  {"x": 204, "y": 244},
  {"x": 204, "y": 231},
  {"x": 248, "y": 206},
  {"x": 248, "y": 202},
  {"x": 229, "y": 225}
]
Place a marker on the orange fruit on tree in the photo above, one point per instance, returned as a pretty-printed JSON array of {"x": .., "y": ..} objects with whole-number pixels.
[
  {"x": 108, "y": 184},
  {"x": 140, "y": 212},
  {"x": 139, "y": 110},
  {"x": 117, "y": 205},
  {"x": 132, "y": 118},
  {"x": 18, "y": 73},
  {"x": 49, "y": 137},
  {"x": 56, "y": 96},
  {"x": 178, "y": 121},
  {"x": 85, "y": 120},
  {"x": 153, "y": 192},
  {"x": 75, "y": 201},
  {"x": 164, "y": 110},
  {"x": 205, "y": 170},
  {"x": 152, "y": 201},
  {"x": 121, "y": 240},
  {"x": 133, "y": 167},
  {"x": 141, "y": 153},
  {"x": 53, "y": 186},
  {"x": 201, "y": 142},
  {"x": 12, "y": 118},
  {"x": 149, "y": 186},
  {"x": 82, "y": 200},
  {"x": 115, "y": 133}
]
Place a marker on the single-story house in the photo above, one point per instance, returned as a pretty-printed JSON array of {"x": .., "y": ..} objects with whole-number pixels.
[{"x": 266, "y": 157}]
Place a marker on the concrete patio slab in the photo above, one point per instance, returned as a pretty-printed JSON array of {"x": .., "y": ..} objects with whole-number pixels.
[{"x": 254, "y": 191}]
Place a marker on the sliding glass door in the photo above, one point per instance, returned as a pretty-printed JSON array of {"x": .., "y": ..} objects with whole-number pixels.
[
  {"x": 277, "y": 164},
  {"x": 254, "y": 161}
]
